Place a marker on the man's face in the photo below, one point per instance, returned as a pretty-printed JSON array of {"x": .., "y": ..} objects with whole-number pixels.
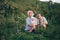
[{"x": 39, "y": 16}]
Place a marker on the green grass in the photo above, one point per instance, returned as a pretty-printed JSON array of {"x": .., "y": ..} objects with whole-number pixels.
[{"x": 13, "y": 16}]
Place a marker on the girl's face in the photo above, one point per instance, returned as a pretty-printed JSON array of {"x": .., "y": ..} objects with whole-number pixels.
[{"x": 32, "y": 19}]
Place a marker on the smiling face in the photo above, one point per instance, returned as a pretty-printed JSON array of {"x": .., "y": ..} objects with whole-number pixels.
[
  {"x": 30, "y": 13},
  {"x": 39, "y": 16},
  {"x": 32, "y": 19}
]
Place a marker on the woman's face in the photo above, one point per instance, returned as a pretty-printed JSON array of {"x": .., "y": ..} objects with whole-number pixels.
[{"x": 30, "y": 15}]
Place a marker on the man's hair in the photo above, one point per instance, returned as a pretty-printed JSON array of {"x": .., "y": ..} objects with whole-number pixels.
[{"x": 38, "y": 13}]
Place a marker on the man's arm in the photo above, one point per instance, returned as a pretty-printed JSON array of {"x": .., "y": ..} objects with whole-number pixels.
[{"x": 44, "y": 21}]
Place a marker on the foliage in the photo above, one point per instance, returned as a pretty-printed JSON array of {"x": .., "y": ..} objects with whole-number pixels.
[{"x": 13, "y": 15}]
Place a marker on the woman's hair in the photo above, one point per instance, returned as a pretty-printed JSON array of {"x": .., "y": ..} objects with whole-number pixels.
[{"x": 30, "y": 12}]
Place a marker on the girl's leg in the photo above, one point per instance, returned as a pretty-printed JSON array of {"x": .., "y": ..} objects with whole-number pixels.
[{"x": 33, "y": 28}]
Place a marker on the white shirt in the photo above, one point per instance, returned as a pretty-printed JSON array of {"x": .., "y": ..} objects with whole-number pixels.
[
  {"x": 29, "y": 21},
  {"x": 42, "y": 20}
]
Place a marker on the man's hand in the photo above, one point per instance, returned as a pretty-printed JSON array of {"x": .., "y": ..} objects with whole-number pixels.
[{"x": 44, "y": 23}]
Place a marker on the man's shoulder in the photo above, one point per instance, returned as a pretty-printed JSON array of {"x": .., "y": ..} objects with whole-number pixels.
[{"x": 43, "y": 17}]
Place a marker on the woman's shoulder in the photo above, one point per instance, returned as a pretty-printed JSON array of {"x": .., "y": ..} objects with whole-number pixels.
[
  {"x": 27, "y": 18},
  {"x": 33, "y": 17}
]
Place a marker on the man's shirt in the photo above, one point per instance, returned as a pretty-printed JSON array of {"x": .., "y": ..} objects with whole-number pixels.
[{"x": 41, "y": 20}]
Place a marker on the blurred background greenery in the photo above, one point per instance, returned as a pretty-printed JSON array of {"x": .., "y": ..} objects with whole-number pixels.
[{"x": 13, "y": 16}]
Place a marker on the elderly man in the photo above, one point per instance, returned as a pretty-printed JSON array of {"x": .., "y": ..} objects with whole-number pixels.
[{"x": 41, "y": 21}]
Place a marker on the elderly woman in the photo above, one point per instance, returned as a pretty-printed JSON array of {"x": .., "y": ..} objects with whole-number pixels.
[{"x": 30, "y": 22}]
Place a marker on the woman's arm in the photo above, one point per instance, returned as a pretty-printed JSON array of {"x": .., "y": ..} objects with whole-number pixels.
[{"x": 28, "y": 22}]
